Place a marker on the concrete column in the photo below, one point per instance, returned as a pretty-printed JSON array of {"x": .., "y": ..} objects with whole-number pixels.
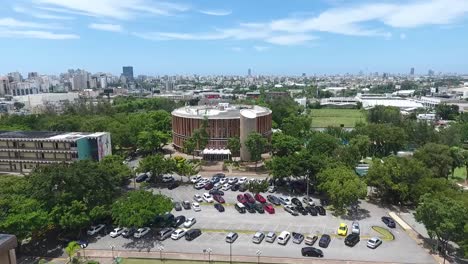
[{"x": 248, "y": 124}]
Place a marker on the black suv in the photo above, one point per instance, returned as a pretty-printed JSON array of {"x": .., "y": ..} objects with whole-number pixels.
[
  {"x": 351, "y": 240},
  {"x": 259, "y": 208},
  {"x": 250, "y": 207},
  {"x": 311, "y": 252},
  {"x": 192, "y": 234},
  {"x": 186, "y": 205},
  {"x": 324, "y": 241},
  {"x": 388, "y": 221}
]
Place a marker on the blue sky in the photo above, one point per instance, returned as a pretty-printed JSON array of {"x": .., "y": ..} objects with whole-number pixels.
[{"x": 228, "y": 37}]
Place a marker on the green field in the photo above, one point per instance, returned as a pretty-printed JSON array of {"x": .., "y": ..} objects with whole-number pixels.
[{"x": 335, "y": 117}]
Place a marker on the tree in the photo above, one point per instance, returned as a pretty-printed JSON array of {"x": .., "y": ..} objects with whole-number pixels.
[
  {"x": 296, "y": 126},
  {"x": 234, "y": 146},
  {"x": 149, "y": 141},
  {"x": 447, "y": 112},
  {"x": 71, "y": 249},
  {"x": 189, "y": 146},
  {"x": 342, "y": 186},
  {"x": 256, "y": 144},
  {"x": 258, "y": 187},
  {"x": 384, "y": 115},
  {"x": 321, "y": 143},
  {"x": 437, "y": 157},
  {"x": 385, "y": 139},
  {"x": 139, "y": 208},
  {"x": 443, "y": 217},
  {"x": 284, "y": 145},
  {"x": 157, "y": 165},
  {"x": 114, "y": 166},
  {"x": 362, "y": 143},
  {"x": 184, "y": 168},
  {"x": 456, "y": 154}
]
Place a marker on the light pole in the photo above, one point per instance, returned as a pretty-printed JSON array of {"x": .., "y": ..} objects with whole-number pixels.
[
  {"x": 112, "y": 248},
  {"x": 208, "y": 250},
  {"x": 259, "y": 252},
  {"x": 161, "y": 249},
  {"x": 230, "y": 253}
]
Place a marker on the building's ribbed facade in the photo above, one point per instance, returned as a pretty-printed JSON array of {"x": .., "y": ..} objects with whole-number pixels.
[{"x": 223, "y": 123}]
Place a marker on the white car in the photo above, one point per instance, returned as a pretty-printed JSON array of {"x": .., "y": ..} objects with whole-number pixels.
[
  {"x": 167, "y": 178},
  {"x": 204, "y": 180},
  {"x": 271, "y": 189},
  {"x": 116, "y": 232},
  {"x": 208, "y": 198},
  {"x": 196, "y": 207},
  {"x": 223, "y": 180},
  {"x": 285, "y": 200},
  {"x": 374, "y": 242},
  {"x": 178, "y": 233},
  {"x": 226, "y": 187},
  {"x": 217, "y": 186},
  {"x": 141, "y": 232},
  {"x": 308, "y": 201},
  {"x": 196, "y": 179},
  {"x": 190, "y": 222},
  {"x": 233, "y": 180},
  {"x": 242, "y": 180},
  {"x": 93, "y": 230},
  {"x": 199, "y": 185},
  {"x": 355, "y": 228},
  {"x": 197, "y": 198}
]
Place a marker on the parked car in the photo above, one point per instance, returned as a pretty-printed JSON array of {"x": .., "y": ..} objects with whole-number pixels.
[
  {"x": 374, "y": 242},
  {"x": 186, "y": 205},
  {"x": 242, "y": 180},
  {"x": 269, "y": 208},
  {"x": 343, "y": 229},
  {"x": 310, "y": 239},
  {"x": 249, "y": 198},
  {"x": 258, "y": 237},
  {"x": 216, "y": 192},
  {"x": 240, "y": 208},
  {"x": 352, "y": 239},
  {"x": 235, "y": 187},
  {"x": 233, "y": 180},
  {"x": 308, "y": 201},
  {"x": 284, "y": 237},
  {"x": 241, "y": 198},
  {"x": 128, "y": 232},
  {"x": 324, "y": 241},
  {"x": 179, "y": 220},
  {"x": 219, "y": 207},
  {"x": 271, "y": 189},
  {"x": 215, "y": 180},
  {"x": 196, "y": 207},
  {"x": 226, "y": 187},
  {"x": 141, "y": 177},
  {"x": 297, "y": 238},
  {"x": 296, "y": 202},
  {"x": 195, "y": 178},
  {"x": 192, "y": 234},
  {"x": 270, "y": 237},
  {"x": 312, "y": 210},
  {"x": 250, "y": 208},
  {"x": 274, "y": 200},
  {"x": 209, "y": 186},
  {"x": 301, "y": 210},
  {"x": 177, "y": 206},
  {"x": 223, "y": 180},
  {"x": 259, "y": 208},
  {"x": 199, "y": 185},
  {"x": 93, "y": 230},
  {"x": 311, "y": 252},
  {"x": 290, "y": 209},
  {"x": 116, "y": 232},
  {"x": 173, "y": 185},
  {"x": 82, "y": 243},
  {"x": 165, "y": 233},
  {"x": 197, "y": 198},
  {"x": 355, "y": 228},
  {"x": 285, "y": 200},
  {"x": 321, "y": 210},
  {"x": 178, "y": 233},
  {"x": 231, "y": 237},
  {"x": 218, "y": 198},
  {"x": 388, "y": 221},
  {"x": 190, "y": 222},
  {"x": 220, "y": 175},
  {"x": 242, "y": 187},
  {"x": 167, "y": 178},
  {"x": 260, "y": 198},
  {"x": 141, "y": 232},
  {"x": 208, "y": 198},
  {"x": 217, "y": 186}
]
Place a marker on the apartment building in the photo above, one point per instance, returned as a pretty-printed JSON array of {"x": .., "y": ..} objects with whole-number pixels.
[{"x": 22, "y": 151}]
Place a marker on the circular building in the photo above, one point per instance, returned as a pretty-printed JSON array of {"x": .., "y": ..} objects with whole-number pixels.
[{"x": 224, "y": 121}]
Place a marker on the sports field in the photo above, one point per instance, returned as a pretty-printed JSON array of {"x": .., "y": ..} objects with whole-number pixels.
[{"x": 335, "y": 117}]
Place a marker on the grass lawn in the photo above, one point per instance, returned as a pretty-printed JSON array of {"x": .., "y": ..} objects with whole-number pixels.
[
  {"x": 335, "y": 117},
  {"x": 170, "y": 261},
  {"x": 460, "y": 174}
]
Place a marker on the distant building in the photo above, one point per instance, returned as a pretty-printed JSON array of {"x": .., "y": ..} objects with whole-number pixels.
[
  {"x": 127, "y": 71},
  {"x": 275, "y": 94},
  {"x": 32, "y": 75},
  {"x": 22, "y": 151},
  {"x": 8, "y": 244},
  {"x": 249, "y": 72},
  {"x": 412, "y": 71}
]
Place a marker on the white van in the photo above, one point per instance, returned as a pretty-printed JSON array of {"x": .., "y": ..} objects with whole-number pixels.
[{"x": 284, "y": 237}]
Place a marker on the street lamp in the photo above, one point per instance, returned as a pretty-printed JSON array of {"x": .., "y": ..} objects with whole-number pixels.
[
  {"x": 259, "y": 252},
  {"x": 112, "y": 248},
  {"x": 161, "y": 249},
  {"x": 209, "y": 255},
  {"x": 230, "y": 253}
]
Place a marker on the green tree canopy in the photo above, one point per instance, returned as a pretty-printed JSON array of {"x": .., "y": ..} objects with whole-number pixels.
[
  {"x": 284, "y": 145},
  {"x": 234, "y": 145},
  {"x": 256, "y": 145},
  {"x": 384, "y": 115},
  {"x": 437, "y": 157},
  {"x": 157, "y": 165}
]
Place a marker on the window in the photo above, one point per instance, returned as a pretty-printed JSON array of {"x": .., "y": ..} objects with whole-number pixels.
[
  {"x": 56, "y": 145},
  {"x": 41, "y": 145},
  {"x": 42, "y": 156}
]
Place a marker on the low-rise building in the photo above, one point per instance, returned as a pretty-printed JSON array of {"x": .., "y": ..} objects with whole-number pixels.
[
  {"x": 8, "y": 244},
  {"x": 22, "y": 151}
]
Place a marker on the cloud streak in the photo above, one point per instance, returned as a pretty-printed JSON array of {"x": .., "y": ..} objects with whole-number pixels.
[
  {"x": 106, "y": 27},
  {"x": 35, "y": 34},
  {"x": 216, "y": 12}
]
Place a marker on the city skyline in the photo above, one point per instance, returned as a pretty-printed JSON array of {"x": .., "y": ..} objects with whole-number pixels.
[{"x": 158, "y": 38}]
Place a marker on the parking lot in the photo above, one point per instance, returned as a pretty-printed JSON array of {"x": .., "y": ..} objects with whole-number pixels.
[{"x": 215, "y": 225}]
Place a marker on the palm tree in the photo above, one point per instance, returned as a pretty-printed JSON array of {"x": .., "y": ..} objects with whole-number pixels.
[{"x": 71, "y": 249}]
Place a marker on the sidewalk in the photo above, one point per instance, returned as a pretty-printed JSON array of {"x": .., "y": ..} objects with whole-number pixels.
[{"x": 418, "y": 238}]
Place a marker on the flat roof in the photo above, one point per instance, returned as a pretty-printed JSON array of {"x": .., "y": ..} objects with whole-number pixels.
[
  {"x": 48, "y": 135},
  {"x": 220, "y": 111},
  {"x": 7, "y": 242}
]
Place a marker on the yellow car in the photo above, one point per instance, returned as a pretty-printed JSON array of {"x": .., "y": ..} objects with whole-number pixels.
[{"x": 343, "y": 229}]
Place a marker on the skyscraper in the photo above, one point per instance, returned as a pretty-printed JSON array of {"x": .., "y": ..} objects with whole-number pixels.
[
  {"x": 127, "y": 71},
  {"x": 412, "y": 71},
  {"x": 249, "y": 72}
]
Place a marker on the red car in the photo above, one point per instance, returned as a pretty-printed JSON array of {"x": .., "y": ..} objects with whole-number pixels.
[
  {"x": 218, "y": 198},
  {"x": 260, "y": 198},
  {"x": 249, "y": 198},
  {"x": 241, "y": 198},
  {"x": 209, "y": 186},
  {"x": 269, "y": 208}
]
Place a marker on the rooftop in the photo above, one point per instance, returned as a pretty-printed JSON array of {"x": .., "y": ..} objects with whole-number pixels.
[
  {"x": 48, "y": 135},
  {"x": 7, "y": 242},
  {"x": 220, "y": 111}
]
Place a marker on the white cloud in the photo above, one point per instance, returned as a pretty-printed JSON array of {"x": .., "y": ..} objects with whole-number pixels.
[
  {"x": 117, "y": 9},
  {"x": 290, "y": 39},
  {"x": 216, "y": 12},
  {"x": 106, "y": 27},
  {"x": 14, "y": 23},
  {"x": 261, "y": 48},
  {"x": 36, "y": 34},
  {"x": 38, "y": 14},
  {"x": 402, "y": 36}
]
